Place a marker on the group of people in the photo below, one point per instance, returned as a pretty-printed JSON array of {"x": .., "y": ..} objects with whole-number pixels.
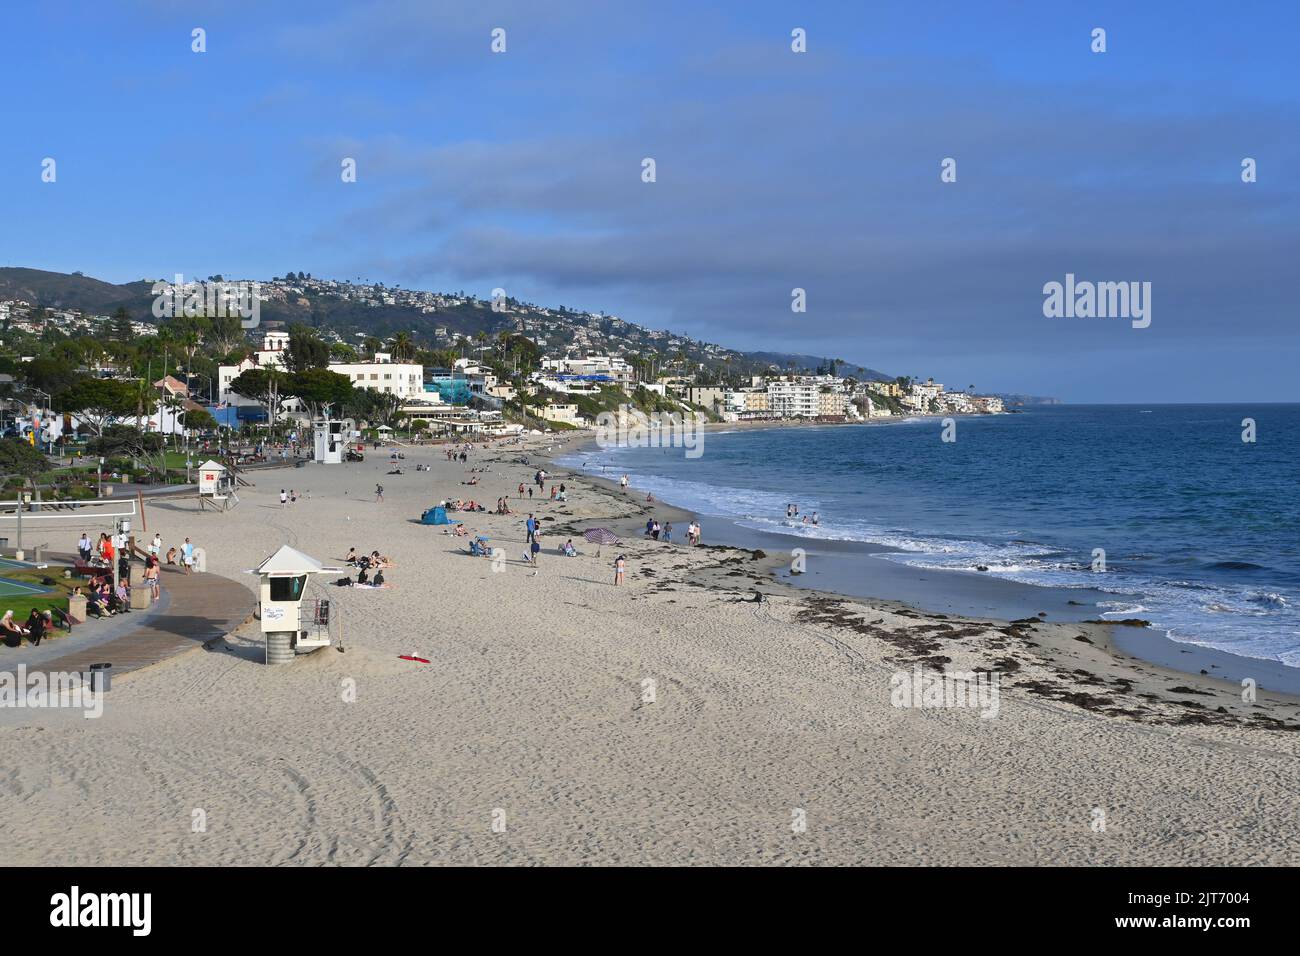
[
  {"x": 103, "y": 599},
  {"x": 792, "y": 512},
  {"x": 38, "y": 624},
  {"x": 367, "y": 565},
  {"x": 664, "y": 532}
]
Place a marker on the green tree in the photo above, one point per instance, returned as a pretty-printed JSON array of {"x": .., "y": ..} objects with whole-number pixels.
[
  {"x": 97, "y": 401},
  {"x": 199, "y": 419},
  {"x": 342, "y": 352},
  {"x": 306, "y": 350},
  {"x": 122, "y": 325},
  {"x": 224, "y": 334},
  {"x": 263, "y": 385},
  {"x": 318, "y": 387},
  {"x": 50, "y": 374},
  {"x": 403, "y": 347},
  {"x": 19, "y": 459}
]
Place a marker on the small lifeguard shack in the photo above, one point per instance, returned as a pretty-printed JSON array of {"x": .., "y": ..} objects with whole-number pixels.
[
  {"x": 330, "y": 439},
  {"x": 291, "y": 624},
  {"x": 216, "y": 486}
]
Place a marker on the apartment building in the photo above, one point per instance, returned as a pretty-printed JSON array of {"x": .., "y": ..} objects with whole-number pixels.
[{"x": 787, "y": 399}]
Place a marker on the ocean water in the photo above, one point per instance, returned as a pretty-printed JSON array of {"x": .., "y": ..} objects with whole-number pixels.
[{"x": 1201, "y": 531}]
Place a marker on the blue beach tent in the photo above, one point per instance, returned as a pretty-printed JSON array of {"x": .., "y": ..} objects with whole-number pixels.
[{"x": 436, "y": 516}]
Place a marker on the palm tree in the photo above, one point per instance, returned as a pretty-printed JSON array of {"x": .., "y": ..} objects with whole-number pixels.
[{"x": 403, "y": 346}]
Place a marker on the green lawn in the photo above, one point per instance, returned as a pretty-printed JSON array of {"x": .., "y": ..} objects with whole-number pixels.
[{"x": 22, "y": 603}]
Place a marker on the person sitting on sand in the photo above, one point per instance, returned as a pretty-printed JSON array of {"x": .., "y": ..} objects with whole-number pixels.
[
  {"x": 11, "y": 631},
  {"x": 569, "y": 550},
  {"x": 379, "y": 579},
  {"x": 459, "y": 530},
  {"x": 352, "y": 556},
  {"x": 472, "y": 481}
]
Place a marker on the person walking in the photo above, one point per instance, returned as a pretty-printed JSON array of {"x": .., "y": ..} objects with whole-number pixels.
[
  {"x": 155, "y": 546},
  {"x": 284, "y": 497},
  {"x": 187, "y": 556},
  {"x": 531, "y": 527},
  {"x": 151, "y": 576},
  {"x": 83, "y": 546},
  {"x": 534, "y": 549},
  {"x": 379, "y": 494},
  {"x": 619, "y": 564}
]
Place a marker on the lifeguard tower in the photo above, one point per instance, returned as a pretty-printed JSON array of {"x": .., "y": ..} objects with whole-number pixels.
[
  {"x": 216, "y": 486},
  {"x": 331, "y": 437},
  {"x": 291, "y": 625}
]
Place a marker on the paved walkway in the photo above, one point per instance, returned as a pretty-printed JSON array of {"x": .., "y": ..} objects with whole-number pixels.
[{"x": 199, "y": 607}]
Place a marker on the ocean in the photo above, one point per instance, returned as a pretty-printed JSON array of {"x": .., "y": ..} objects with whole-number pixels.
[{"x": 1198, "y": 527}]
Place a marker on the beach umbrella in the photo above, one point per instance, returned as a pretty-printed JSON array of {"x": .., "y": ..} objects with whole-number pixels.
[{"x": 600, "y": 536}]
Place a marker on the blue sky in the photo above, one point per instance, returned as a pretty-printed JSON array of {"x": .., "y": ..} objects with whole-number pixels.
[{"x": 775, "y": 170}]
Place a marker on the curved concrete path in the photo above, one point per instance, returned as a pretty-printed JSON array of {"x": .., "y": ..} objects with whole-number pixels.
[{"x": 199, "y": 607}]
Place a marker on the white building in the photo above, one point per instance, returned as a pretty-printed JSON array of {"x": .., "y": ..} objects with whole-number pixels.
[
  {"x": 792, "y": 399},
  {"x": 382, "y": 374},
  {"x": 613, "y": 366}
]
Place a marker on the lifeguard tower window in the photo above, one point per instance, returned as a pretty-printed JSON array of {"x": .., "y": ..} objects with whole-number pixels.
[{"x": 287, "y": 589}]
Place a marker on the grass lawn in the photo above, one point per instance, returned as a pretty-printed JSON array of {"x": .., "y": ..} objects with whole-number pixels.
[{"x": 21, "y": 603}]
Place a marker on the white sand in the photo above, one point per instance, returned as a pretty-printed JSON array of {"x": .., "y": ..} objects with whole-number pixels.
[{"x": 533, "y": 705}]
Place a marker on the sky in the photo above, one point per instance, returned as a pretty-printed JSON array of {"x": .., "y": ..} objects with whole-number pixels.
[{"x": 774, "y": 170}]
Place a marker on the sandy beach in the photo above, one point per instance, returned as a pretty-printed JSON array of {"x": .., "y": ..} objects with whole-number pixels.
[{"x": 672, "y": 720}]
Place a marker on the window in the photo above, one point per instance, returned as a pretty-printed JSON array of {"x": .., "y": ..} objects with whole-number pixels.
[{"x": 288, "y": 589}]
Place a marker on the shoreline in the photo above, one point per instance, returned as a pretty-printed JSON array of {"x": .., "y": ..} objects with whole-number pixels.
[
  {"x": 1214, "y": 668},
  {"x": 674, "y": 719}
]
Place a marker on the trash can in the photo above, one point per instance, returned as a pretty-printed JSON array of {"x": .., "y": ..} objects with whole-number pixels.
[{"x": 99, "y": 678}]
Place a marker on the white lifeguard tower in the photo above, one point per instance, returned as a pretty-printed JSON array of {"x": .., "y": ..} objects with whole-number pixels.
[
  {"x": 216, "y": 486},
  {"x": 290, "y": 625},
  {"x": 331, "y": 437}
]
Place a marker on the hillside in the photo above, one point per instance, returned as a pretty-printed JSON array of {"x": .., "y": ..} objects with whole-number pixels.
[
  {"x": 58, "y": 290},
  {"x": 432, "y": 319}
]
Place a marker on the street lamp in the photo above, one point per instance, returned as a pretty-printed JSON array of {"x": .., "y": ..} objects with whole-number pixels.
[{"x": 101, "y": 476}]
